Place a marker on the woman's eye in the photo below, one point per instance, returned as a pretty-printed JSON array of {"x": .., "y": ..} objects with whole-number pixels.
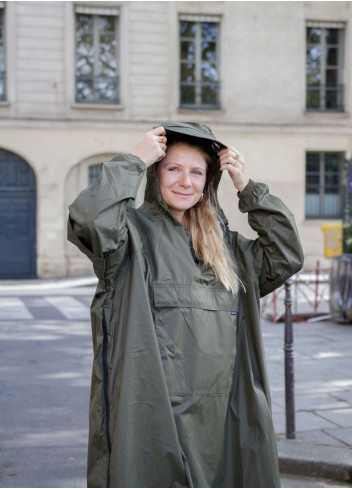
[
  {"x": 173, "y": 168},
  {"x": 197, "y": 172}
]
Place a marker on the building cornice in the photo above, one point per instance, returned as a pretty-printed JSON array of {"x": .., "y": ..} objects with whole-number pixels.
[{"x": 308, "y": 127}]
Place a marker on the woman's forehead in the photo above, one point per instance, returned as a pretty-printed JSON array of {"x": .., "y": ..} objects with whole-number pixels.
[{"x": 182, "y": 153}]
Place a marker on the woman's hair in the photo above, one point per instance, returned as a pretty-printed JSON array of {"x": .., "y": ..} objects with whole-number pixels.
[{"x": 202, "y": 221}]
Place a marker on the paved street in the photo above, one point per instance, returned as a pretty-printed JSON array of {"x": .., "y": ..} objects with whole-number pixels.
[
  {"x": 45, "y": 362},
  {"x": 45, "y": 365}
]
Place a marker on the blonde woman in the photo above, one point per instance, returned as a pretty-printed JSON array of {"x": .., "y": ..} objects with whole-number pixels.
[{"x": 179, "y": 394}]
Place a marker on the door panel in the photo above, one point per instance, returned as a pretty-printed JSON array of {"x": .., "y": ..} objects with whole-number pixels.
[{"x": 17, "y": 218}]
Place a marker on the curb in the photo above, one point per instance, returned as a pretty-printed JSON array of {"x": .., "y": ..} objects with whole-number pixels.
[{"x": 307, "y": 459}]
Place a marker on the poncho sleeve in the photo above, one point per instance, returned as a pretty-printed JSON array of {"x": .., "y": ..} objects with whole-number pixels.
[
  {"x": 97, "y": 218},
  {"x": 277, "y": 252}
]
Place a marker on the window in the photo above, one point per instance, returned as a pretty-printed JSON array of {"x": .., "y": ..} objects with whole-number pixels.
[
  {"x": 324, "y": 185},
  {"x": 2, "y": 53},
  {"x": 94, "y": 173},
  {"x": 199, "y": 60},
  {"x": 97, "y": 78},
  {"x": 324, "y": 67}
]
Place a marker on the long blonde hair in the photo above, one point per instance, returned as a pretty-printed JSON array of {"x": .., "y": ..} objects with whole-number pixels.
[{"x": 202, "y": 222}]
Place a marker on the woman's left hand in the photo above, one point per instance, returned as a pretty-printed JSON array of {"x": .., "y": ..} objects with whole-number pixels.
[{"x": 233, "y": 161}]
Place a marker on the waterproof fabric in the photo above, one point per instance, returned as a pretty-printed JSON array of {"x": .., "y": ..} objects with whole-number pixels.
[{"x": 179, "y": 394}]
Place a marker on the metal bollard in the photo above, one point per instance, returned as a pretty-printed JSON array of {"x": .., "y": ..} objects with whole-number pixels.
[{"x": 289, "y": 365}]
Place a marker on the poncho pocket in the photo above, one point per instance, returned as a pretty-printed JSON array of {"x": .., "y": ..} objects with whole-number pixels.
[{"x": 196, "y": 331}]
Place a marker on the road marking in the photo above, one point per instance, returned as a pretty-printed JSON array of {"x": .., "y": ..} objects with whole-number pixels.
[
  {"x": 70, "y": 307},
  {"x": 13, "y": 308}
]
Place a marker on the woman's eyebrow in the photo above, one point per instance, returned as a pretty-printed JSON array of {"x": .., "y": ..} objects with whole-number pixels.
[{"x": 175, "y": 163}]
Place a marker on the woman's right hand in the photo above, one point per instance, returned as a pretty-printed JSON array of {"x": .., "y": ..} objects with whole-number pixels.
[{"x": 152, "y": 147}]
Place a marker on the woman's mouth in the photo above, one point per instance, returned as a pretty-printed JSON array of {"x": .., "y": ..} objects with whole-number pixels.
[{"x": 181, "y": 194}]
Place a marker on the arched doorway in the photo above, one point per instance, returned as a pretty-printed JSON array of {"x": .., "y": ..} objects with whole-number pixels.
[{"x": 17, "y": 217}]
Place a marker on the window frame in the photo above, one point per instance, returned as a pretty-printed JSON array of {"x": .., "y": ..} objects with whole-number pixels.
[
  {"x": 4, "y": 73},
  {"x": 96, "y": 12},
  {"x": 323, "y": 87},
  {"x": 323, "y": 186},
  {"x": 94, "y": 171},
  {"x": 198, "y": 83}
]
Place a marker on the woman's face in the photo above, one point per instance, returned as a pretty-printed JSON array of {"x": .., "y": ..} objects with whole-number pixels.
[{"x": 182, "y": 176}]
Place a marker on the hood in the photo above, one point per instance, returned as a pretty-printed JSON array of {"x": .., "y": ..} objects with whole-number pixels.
[{"x": 194, "y": 130}]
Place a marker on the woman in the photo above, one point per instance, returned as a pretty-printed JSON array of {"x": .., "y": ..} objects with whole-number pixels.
[{"x": 179, "y": 394}]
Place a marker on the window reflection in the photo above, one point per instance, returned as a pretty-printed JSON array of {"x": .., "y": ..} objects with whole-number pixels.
[
  {"x": 96, "y": 59},
  {"x": 199, "y": 77},
  {"x": 324, "y": 66},
  {"x": 323, "y": 185}
]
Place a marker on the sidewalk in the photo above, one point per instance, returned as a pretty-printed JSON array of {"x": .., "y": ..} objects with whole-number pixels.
[{"x": 323, "y": 398}]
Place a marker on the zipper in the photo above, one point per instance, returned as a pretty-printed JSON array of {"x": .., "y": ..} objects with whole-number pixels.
[
  {"x": 194, "y": 256},
  {"x": 106, "y": 392}
]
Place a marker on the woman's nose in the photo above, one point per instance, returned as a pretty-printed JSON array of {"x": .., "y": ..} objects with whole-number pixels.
[{"x": 185, "y": 179}]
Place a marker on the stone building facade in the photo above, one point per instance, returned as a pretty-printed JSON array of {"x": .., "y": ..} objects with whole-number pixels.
[{"x": 81, "y": 82}]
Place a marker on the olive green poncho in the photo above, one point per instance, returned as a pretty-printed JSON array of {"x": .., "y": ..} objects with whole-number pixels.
[{"x": 179, "y": 394}]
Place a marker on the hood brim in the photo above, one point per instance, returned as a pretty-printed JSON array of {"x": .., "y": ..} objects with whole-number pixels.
[{"x": 192, "y": 129}]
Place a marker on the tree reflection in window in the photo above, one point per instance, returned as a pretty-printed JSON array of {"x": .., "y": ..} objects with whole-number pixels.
[
  {"x": 324, "y": 66},
  {"x": 199, "y": 73},
  {"x": 96, "y": 59}
]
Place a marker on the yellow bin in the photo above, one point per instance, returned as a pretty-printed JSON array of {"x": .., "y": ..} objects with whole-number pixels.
[{"x": 332, "y": 239}]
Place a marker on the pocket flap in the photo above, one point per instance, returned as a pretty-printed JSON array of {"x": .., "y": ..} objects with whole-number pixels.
[{"x": 180, "y": 295}]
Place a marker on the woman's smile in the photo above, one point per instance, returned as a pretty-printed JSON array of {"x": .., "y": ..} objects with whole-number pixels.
[{"x": 182, "y": 194}]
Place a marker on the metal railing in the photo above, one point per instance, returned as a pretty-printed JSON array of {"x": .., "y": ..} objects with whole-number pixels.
[
  {"x": 97, "y": 89},
  {"x": 310, "y": 296},
  {"x": 199, "y": 94},
  {"x": 328, "y": 98}
]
